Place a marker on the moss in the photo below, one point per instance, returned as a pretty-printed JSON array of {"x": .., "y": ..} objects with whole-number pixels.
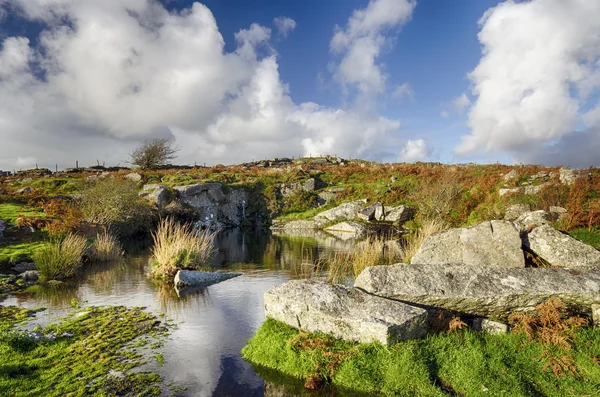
[
  {"x": 591, "y": 237},
  {"x": 460, "y": 363},
  {"x": 78, "y": 360},
  {"x": 20, "y": 251},
  {"x": 9, "y": 212}
]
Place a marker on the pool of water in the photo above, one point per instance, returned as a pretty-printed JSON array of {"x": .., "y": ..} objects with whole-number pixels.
[{"x": 214, "y": 323}]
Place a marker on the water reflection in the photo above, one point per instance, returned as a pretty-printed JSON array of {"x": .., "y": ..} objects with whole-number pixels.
[{"x": 203, "y": 354}]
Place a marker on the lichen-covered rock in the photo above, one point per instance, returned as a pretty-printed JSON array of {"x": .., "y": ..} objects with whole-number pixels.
[
  {"x": 343, "y": 312},
  {"x": 298, "y": 225},
  {"x": 482, "y": 291},
  {"x": 193, "y": 278},
  {"x": 157, "y": 194},
  {"x": 491, "y": 244},
  {"x": 133, "y": 176},
  {"x": 343, "y": 212},
  {"x": 399, "y": 214},
  {"x": 568, "y": 176},
  {"x": 489, "y": 326},
  {"x": 562, "y": 250},
  {"x": 356, "y": 229},
  {"x": 529, "y": 220},
  {"x": 515, "y": 211},
  {"x": 368, "y": 213}
]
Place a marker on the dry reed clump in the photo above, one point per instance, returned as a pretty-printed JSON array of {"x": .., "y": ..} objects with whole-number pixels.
[
  {"x": 551, "y": 325},
  {"x": 60, "y": 258},
  {"x": 106, "y": 247},
  {"x": 429, "y": 227},
  {"x": 177, "y": 246}
]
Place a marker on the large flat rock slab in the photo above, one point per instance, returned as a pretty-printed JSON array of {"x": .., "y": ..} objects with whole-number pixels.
[
  {"x": 489, "y": 244},
  {"x": 562, "y": 250},
  {"x": 193, "y": 278},
  {"x": 485, "y": 292},
  {"x": 344, "y": 312}
]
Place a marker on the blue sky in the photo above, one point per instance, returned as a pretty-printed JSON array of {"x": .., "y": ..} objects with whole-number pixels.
[{"x": 389, "y": 80}]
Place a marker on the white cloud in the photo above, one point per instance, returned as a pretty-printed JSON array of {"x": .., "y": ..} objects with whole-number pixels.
[
  {"x": 118, "y": 72},
  {"x": 458, "y": 106},
  {"x": 403, "y": 91},
  {"x": 414, "y": 150},
  {"x": 284, "y": 25},
  {"x": 540, "y": 67},
  {"x": 361, "y": 41}
]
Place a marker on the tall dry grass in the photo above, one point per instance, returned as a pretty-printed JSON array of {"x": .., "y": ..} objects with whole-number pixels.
[
  {"x": 60, "y": 258},
  {"x": 106, "y": 247},
  {"x": 177, "y": 246},
  {"x": 413, "y": 241}
]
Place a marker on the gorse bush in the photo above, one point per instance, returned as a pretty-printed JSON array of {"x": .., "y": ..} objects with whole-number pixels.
[
  {"x": 106, "y": 247},
  {"x": 178, "y": 246},
  {"x": 61, "y": 257},
  {"x": 115, "y": 204}
]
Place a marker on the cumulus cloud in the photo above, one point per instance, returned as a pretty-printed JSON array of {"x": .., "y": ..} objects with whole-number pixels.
[
  {"x": 537, "y": 79},
  {"x": 414, "y": 150},
  {"x": 458, "y": 106},
  {"x": 360, "y": 43},
  {"x": 284, "y": 25},
  {"x": 108, "y": 75},
  {"x": 403, "y": 91}
]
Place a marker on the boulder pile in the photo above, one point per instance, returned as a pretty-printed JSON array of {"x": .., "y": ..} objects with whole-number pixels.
[{"x": 485, "y": 273}]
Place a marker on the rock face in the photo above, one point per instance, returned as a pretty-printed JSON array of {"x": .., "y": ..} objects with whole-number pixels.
[
  {"x": 356, "y": 229},
  {"x": 529, "y": 220},
  {"x": 343, "y": 212},
  {"x": 288, "y": 189},
  {"x": 514, "y": 211},
  {"x": 368, "y": 213},
  {"x": 490, "y": 244},
  {"x": 192, "y": 278},
  {"x": 216, "y": 208},
  {"x": 562, "y": 250},
  {"x": 485, "y": 292},
  {"x": 343, "y": 312}
]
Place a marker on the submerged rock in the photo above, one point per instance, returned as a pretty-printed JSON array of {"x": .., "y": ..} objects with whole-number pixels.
[
  {"x": 562, "y": 250},
  {"x": 490, "y": 244},
  {"x": 343, "y": 312},
  {"x": 193, "y": 278},
  {"x": 483, "y": 291}
]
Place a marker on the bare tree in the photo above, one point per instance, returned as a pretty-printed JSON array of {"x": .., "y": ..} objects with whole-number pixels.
[{"x": 153, "y": 153}]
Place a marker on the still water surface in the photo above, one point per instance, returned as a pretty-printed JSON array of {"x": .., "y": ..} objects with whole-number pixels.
[{"x": 203, "y": 353}]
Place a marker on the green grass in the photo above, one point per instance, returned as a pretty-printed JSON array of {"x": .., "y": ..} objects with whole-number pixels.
[
  {"x": 462, "y": 364},
  {"x": 78, "y": 364},
  {"x": 20, "y": 251},
  {"x": 9, "y": 212},
  {"x": 589, "y": 237}
]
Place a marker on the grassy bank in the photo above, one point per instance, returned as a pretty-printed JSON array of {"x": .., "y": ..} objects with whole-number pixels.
[
  {"x": 461, "y": 363},
  {"x": 85, "y": 354}
]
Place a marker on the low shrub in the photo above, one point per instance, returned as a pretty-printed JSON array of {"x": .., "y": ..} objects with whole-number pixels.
[
  {"x": 178, "y": 246},
  {"x": 60, "y": 258},
  {"x": 106, "y": 247}
]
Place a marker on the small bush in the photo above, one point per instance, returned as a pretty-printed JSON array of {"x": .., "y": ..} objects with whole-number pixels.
[
  {"x": 115, "y": 204},
  {"x": 60, "y": 258},
  {"x": 177, "y": 246},
  {"x": 153, "y": 153},
  {"x": 106, "y": 248}
]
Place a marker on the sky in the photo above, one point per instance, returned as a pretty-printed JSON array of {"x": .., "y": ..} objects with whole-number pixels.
[{"x": 230, "y": 81}]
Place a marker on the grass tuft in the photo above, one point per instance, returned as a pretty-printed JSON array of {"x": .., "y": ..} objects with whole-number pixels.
[
  {"x": 106, "y": 247},
  {"x": 60, "y": 258}
]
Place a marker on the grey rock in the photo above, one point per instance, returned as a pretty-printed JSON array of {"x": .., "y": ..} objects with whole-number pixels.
[
  {"x": 529, "y": 220},
  {"x": 514, "y": 211},
  {"x": 596, "y": 315},
  {"x": 23, "y": 267},
  {"x": 299, "y": 225},
  {"x": 568, "y": 176},
  {"x": 24, "y": 190},
  {"x": 511, "y": 175},
  {"x": 133, "y": 176},
  {"x": 490, "y": 244},
  {"x": 508, "y": 190},
  {"x": 193, "y": 278},
  {"x": 490, "y": 326},
  {"x": 30, "y": 275},
  {"x": 482, "y": 291},
  {"x": 533, "y": 189},
  {"x": 400, "y": 214},
  {"x": 562, "y": 250},
  {"x": 559, "y": 212},
  {"x": 343, "y": 312},
  {"x": 324, "y": 198},
  {"x": 368, "y": 213},
  {"x": 310, "y": 185},
  {"x": 343, "y": 212},
  {"x": 157, "y": 194},
  {"x": 356, "y": 229}
]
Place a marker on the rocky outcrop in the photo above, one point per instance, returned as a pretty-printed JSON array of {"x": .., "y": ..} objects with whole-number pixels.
[
  {"x": 157, "y": 194},
  {"x": 216, "y": 208},
  {"x": 562, "y": 250},
  {"x": 309, "y": 185},
  {"x": 343, "y": 212},
  {"x": 399, "y": 214},
  {"x": 515, "y": 211},
  {"x": 490, "y": 244},
  {"x": 482, "y": 291},
  {"x": 193, "y": 278},
  {"x": 530, "y": 220},
  {"x": 568, "y": 176},
  {"x": 351, "y": 229},
  {"x": 343, "y": 312},
  {"x": 369, "y": 213}
]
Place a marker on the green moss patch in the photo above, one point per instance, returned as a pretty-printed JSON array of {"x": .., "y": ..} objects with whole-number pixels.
[
  {"x": 462, "y": 363},
  {"x": 591, "y": 237},
  {"x": 87, "y": 353}
]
